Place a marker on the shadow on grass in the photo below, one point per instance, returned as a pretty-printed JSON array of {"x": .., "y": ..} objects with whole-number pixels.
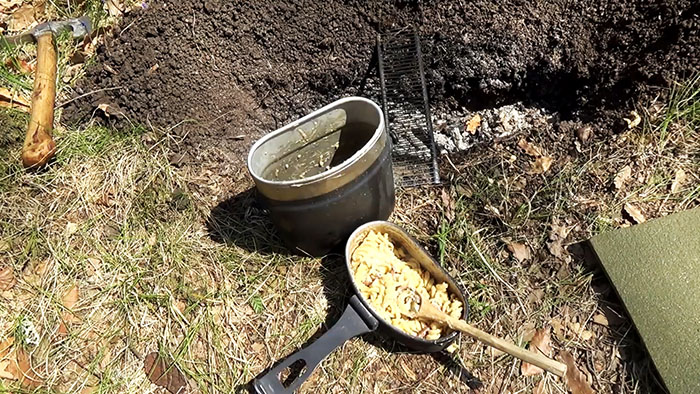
[
  {"x": 634, "y": 355},
  {"x": 243, "y": 222}
]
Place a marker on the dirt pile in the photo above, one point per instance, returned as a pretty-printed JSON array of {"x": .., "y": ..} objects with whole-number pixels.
[{"x": 223, "y": 73}]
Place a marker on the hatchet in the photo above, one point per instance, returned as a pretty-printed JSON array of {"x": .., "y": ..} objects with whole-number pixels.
[{"x": 39, "y": 146}]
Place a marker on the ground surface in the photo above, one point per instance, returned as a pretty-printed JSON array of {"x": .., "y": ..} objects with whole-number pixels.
[
  {"x": 153, "y": 222},
  {"x": 230, "y": 71}
]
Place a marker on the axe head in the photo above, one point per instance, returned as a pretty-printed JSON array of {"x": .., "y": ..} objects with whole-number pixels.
[{"x": 79, "y": 27}]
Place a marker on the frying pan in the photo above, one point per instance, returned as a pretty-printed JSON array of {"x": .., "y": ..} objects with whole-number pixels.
[{"x": 359, "y": 317}]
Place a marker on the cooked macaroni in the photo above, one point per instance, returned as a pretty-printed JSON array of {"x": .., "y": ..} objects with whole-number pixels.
[{"x": 383, "y": 273}]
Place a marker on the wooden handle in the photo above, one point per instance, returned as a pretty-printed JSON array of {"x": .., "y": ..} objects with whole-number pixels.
[
  {"x": 537, "y": 359},
  {"x": 39, "y": 145},
  {"x": 430, "y": 312}
]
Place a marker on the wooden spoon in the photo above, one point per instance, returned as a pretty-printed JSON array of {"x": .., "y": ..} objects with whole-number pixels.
[{"x": 427, "y": 311}]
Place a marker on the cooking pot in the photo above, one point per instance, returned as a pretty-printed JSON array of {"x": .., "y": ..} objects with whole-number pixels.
[
  {"x": 360, "y": 317},
  {"x": 325, "y": 174}
]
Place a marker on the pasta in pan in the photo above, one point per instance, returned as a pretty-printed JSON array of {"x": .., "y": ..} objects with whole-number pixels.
[{"x": 382, "y": 272}]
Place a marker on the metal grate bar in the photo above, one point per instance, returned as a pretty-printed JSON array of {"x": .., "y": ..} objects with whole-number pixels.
[{"x": 406, "y": 108}]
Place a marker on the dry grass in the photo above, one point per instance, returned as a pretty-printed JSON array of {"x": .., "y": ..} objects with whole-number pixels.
[{"x": 162, "y": 264}]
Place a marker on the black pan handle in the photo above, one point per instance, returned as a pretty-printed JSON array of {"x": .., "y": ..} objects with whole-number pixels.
[{"x": 356, "y": 320}]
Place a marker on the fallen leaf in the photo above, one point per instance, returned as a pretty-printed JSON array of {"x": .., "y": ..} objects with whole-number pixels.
[
  {"x": 7, "y": 278},
  {"x": 622, "y": 177},
  {"x": 535, "y": 296},
  {"x": 635, "y": 121},
  {"x": 527, "y": 331},
  {"x": 22, "y": 19},
  {"x": 24, "y": 371},
  {"x": 586, "y": 335},
  {"x": 15, "y": 365},
  {"x": 678, "y": 181},
  {"x": 71, "y": 228},
  {"x": 20, "y": 65},
  {"x": 180, "y": 305},
  {"x": 542, "y": 165},
  {"x": 530, "y": 149},
  {"x": 448, "y": 204},
  {"x": 70, "y": 298},
  {"x": 559, "y": 329},
  {"x": 575, "y": 379},
  {"x": 10, "y": 99},
  {"x": 164, "y": 373},
  {"x": 521, "y": 252},
  {"x": 584, "y": 133},
  {"x": 109, "y": 109},
  {"x": 540, "y": 343},
  {"x": 634, "y": 213},
  {"x": 257, "y": 346},
  {"x": 557, "y": 236},
  {"x": 600, "y": 319},
  {"x": 474, "y": 123}
]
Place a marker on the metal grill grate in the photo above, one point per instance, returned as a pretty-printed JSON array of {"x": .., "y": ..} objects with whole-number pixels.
[{"x": 406, "y": 108}]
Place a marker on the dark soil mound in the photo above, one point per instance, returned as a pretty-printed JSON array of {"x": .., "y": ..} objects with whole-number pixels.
[{"x": 240, "y": 69}]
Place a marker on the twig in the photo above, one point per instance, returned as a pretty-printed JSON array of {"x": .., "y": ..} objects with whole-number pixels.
[{"x": 87, "y": 94}]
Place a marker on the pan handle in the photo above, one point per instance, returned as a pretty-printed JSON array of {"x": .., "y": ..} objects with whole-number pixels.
[{"x": 356, "y": 320}]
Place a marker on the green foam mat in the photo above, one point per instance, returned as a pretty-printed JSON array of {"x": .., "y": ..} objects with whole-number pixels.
[{"x": 655, "y": 268}]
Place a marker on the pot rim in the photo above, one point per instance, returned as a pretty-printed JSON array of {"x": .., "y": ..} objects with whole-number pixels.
[{"x": 333, "y": 172}]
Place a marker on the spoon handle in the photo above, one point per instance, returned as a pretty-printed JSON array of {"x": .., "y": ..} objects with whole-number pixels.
[{"x": 514, "y": 350}]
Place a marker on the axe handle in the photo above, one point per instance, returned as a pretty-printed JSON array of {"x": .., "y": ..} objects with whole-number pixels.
[{"x": 39, "y": 145}]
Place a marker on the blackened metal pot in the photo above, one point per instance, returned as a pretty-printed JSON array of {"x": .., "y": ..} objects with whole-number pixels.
[
  {"x": 359, "y": 317},
  {"x": 325, "y": 174}
]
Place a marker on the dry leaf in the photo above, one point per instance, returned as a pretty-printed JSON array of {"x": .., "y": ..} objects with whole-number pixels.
[
  {"x": 678, "y": 181},
  {"x": 22, "y": 19},
  {"x": 586, "y": 335},
  {"x": 635, "y": 121},
  {"x": 559, "y": 329},
  {"x": 521, "y": 252},
  {"x": 622, "y": 177},
  {"x": 540, "y": 343},
  {"x": 575, "y": 379},
  {"x": 474, "y": 124},
  {"x": 448, "y": 204},
  {"x": 557, "y": 236},
  {"x": 530, "y": 149},
  {"x": 180, "y": 305},
  {"x": 7, "y": 278},
  {"x": 70, "y": 298},
  {"x": 109, "y": 109},
  {"x": 257, "y": 346},
  {"x": 10, "y": 99},
  {"x": 15, "y": 365},
  {"x": 164, "y": 373},
  {"x": 600, "y": 319},
  {"x": 24, "y": 371},
  {"x": 634, "y": 213},
  {"x": 20, "y": 65},
  {"x": 542, "y": 165}
]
